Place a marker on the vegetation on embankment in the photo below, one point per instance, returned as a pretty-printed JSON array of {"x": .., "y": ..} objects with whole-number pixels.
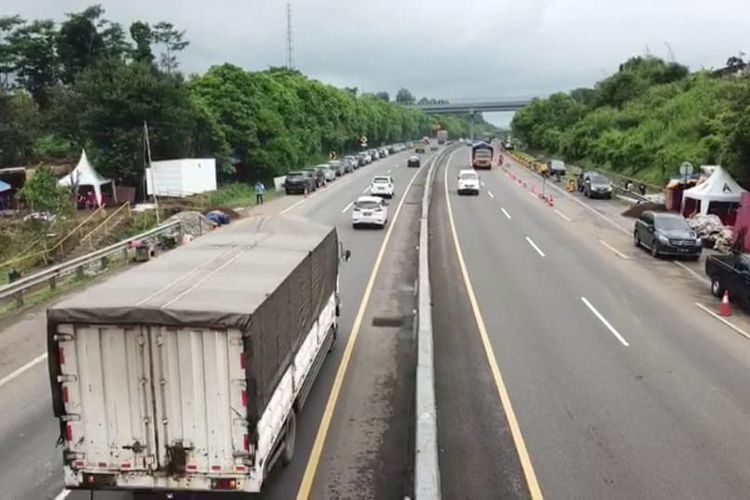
[
  {"x": 89, "y": 82},
  {"x": 644, "y": 121}
]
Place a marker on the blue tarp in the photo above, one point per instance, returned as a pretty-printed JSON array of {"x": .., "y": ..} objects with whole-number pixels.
[{"x": 4, "y": 186}]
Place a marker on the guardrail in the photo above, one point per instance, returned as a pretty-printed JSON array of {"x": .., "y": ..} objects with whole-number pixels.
[{"x": 50, "y": 276}]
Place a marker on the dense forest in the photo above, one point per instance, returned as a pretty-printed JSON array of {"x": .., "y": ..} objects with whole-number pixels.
[
  {"x": 647, "y": 119},
  {"x": 89, "y": 82}
]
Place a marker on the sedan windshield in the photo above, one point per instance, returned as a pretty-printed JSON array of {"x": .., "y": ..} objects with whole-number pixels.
[
  {"x": 380, "y": 180},
  {"x": 468, "y": 176},
  {"x": 599, "y": 179}
]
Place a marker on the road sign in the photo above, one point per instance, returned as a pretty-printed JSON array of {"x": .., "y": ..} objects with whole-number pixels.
[
  {"x": 363, "y": 139},
  {"x": 686, "y": 168},
  {"x": 332, "y": 155}
]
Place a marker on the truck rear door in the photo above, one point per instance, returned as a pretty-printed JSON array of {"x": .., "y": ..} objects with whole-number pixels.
[
  {"x": 201, "y": 399},
  {"x": 106, "y": 388}
]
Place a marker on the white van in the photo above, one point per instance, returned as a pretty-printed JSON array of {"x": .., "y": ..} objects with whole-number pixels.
[{"x": 468, "y": 182}]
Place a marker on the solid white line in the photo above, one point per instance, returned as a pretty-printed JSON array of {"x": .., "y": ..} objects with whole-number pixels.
[
  {"x": 505, "y": 212},
  {"x": 19, "y": 371},
  {"x": 63, "y": 494},
  {"x": 614, "y": 249},
  {"x": 533, "y": 195},
  {"x": 366, "y": 189},
  {"x": 490, "y": 194},
  {"x": 539, "y": 251},
  {"x": 293, "y": 206},
  {"x": 347, "y": 207},
  {"x": 562, "y": 215},
  {"x": 389, "y": 171},
  {"x": 730, "y": 325},
  {"x": 692, "y": 273},
  {"x": 606, "y": 323}
]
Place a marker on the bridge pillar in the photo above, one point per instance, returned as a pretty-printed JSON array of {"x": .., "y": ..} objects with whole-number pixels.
[{"x": 471, "y": 125}]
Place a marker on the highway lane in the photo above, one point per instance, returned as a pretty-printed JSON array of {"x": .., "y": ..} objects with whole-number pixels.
[
  {"x": 621, "y": 387},
  {"x": 33, "y": 468}
]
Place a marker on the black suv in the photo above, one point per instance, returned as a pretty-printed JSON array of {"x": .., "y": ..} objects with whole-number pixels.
[
  {"x": 595, "y": 185},
  {"x": 666, "y": 234},
  {"x": 299, "y": 182},
  {"x": 413, "y": 161}
]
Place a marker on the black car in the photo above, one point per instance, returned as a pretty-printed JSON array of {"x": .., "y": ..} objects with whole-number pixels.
[
  {"x": 413, "y": 161},
  {"x": 596, "y": 185},
  {"x": 318, "y": 174},
  {"x": 666, "y": 234},
  {"x": 299, "y": 182},
  {"x": 730, "y": 273}
]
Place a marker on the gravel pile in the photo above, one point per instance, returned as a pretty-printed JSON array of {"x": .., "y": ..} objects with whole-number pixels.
[
  {"x": 193, "y": 222},
  {"x": 710, "y": 228}
]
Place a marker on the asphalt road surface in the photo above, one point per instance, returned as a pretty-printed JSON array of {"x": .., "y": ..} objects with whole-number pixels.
[
  {"x": 30, "y": 466},
  {"x": 582, "y": 354}
]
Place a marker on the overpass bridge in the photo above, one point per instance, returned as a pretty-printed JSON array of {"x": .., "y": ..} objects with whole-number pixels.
[{"x": 473, "y": 107}]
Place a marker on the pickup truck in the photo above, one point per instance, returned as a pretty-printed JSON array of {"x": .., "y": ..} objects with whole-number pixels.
[
  {"x": 187, "y": 373},
  {"x": 730, "y": 273}
]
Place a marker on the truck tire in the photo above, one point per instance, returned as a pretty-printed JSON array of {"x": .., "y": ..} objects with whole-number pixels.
[
  {"x": 289, "y": 438},
  {"x": 717, "y": 290}
]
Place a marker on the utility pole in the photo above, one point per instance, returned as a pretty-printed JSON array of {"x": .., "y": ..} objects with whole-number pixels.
[
  {"x": 289, "y": 46},
  {"x": 147, "y": 145}
]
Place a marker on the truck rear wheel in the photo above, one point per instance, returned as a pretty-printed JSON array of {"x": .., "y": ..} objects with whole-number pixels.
[{"x": 290, "y": 438}]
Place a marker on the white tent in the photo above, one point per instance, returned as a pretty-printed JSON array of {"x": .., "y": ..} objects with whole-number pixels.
[
  {"x": 718, "y": 187},
  {"x": 85, "y": 175}
]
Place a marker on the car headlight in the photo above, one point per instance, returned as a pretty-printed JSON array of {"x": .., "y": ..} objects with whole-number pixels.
[
  {"x": 698, "y": 242},
  {"x": 663, "y": 239}
]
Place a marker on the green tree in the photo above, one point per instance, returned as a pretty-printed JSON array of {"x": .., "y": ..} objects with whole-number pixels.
[
  {"x": 43, "y": 193},
  {"x": 8, "y": 24},
  {"x": 19, "y": 124},
  {"x": 36, "y": 63},
  {"x": 79, "y": 43},
  {"x": 405, "y": 97},
  {"x": 143, "y": 37},
  {"x": 173, "y": 42},
  {"x": 383, "y": 96}
]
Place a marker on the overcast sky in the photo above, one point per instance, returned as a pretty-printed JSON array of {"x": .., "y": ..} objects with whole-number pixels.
[{"x": 468, "y": 49}]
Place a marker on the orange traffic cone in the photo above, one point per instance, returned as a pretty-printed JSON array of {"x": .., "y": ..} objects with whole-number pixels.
[{"x": 725, "y": 309}]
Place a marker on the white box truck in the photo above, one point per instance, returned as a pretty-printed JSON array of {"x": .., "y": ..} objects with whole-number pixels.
[{"x": 186, "y": 373}]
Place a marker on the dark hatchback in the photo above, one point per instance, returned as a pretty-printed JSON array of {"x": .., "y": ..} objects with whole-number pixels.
[
  {"x": 298, "y": 182},
  {"x": 413, "y": 161},
  {"x": 666, "y": 234}
]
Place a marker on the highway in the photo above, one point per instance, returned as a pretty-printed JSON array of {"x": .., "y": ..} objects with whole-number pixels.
[
  {"x": 570, "y": 364},
  {"x": 31, "y": 467}
]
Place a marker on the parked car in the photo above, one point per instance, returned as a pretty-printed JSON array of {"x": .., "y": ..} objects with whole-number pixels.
[
  {"x": 468, "y": 182},
  {"x": 330, "y": 172},
  {"x": 730, "y": 273},
  {"x": 349, "y": 165},
  {"x": 666, "y": 234},
  {"x": 362, "y": 159},
  {"x": 354, "y": 160},
  {"x": 370, "y": 211},
  {"x": 382, "y": 185},
  {"x": 339, "y": 166},
  {"x": 299, "y": 182},
  {"x": 413, "y": 161},
  {"x": 318, "y": 174},
  {"x": 374, "y": 154},
  {"x": 596, "y": 185},
  {"x": 393, "y": 149},
  {"x": 556, "y": 167},
  {"x": 383, "y": 152}
]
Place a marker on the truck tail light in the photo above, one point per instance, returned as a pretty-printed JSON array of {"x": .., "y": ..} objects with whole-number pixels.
[
  {"x": 61, "y": 355},
  {"x": 246, "y": 442},
  {"x": 244, "y": 398},
  {"x": 65, "y": 394},
  {"x": 224, "y": 483},
  {"x": 69, "y": 432}
]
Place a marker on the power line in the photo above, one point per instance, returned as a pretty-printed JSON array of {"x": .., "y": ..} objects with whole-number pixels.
[{"x": 289, "y": 45}]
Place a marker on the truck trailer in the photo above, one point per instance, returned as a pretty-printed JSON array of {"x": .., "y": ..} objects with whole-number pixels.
[
  {"x": 442, "y": 136},
  {"x": 187, "y": 373}
]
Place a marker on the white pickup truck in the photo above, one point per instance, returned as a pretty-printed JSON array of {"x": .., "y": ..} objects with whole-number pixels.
[{"x": 187, "y": 372}]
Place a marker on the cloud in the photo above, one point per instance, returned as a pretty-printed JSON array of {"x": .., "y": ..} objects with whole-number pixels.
[{"x": 455, "y": 50}]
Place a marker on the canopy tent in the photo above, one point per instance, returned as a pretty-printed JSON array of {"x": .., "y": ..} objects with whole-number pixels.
[
  {"x": 4, "y": 186},
  {"x": 85, "y": 175},
  {"x": 719, "y": 187}
]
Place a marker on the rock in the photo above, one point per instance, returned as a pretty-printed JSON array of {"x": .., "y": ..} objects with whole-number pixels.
[{"x": 193, "y": 223}]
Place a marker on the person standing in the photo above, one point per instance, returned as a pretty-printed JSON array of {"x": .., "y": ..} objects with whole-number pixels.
[{"x": 260, "y": 189}]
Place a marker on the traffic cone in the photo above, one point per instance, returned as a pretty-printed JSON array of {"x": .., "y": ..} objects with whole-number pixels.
[{"x": 725, "y": 309}]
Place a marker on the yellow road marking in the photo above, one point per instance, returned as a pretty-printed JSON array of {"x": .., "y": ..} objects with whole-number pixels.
[
  {"x": 325, "y": 422},
  {"x": 515, "y": 428}
]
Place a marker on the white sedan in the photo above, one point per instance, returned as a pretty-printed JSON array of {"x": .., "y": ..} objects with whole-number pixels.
[
  {"x": 369, "y": 211},
  {"x": 382, "y": 185},
  {"x": 468, "y": 182}
]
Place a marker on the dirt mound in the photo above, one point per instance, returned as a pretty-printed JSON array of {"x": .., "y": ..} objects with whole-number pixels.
[
  {"x": 636, "y": 210},
  {"x": 232, "y": 214}
]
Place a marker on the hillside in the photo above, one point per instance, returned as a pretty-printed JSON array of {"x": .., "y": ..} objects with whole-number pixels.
[{"x": 644, "y": 121}]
